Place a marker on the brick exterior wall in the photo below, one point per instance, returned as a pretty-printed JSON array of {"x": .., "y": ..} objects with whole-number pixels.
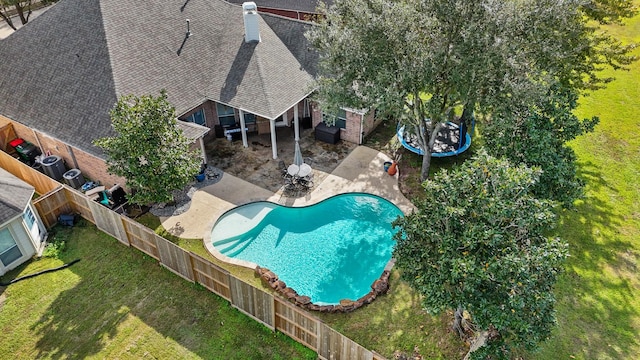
[
  {"x": 300, "y": 15},
  {"x": 352, "y": 131},
  {"x": 370, "y": 122},
  {"x": 92, "y": 167},
  {"x": 301, "y": 114}
]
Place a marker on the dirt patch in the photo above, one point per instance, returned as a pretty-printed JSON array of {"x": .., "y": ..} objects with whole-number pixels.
[{"x": 256, "y": 165}]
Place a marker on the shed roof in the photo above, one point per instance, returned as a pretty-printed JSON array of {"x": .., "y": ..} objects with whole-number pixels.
[{"x": 14, "y": 197}]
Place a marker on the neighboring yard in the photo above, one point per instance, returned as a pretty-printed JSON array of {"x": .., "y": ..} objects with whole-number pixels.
[
  {"x": 119, "y": 303},
  {"x": 599, "y": 295}
]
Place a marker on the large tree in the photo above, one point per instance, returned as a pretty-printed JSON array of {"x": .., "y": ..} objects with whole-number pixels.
[
  {"x": 419, "y": 61},
  {"x": 150, "y": 150},
  {"x": 536, "y": 134},
  {"x": 479, "y": 245}
]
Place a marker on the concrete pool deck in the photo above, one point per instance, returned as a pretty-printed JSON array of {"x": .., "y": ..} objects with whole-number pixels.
[{"x": 360, "y": 171}]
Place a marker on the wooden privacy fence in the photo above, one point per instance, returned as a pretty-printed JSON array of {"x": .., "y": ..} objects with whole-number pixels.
[
  {"x": 264, "y": 307},
  {"x": 41, "y": 182}
]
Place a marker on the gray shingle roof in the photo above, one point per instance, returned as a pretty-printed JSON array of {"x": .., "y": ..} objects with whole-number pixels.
[
  {"x": 192, "y": 131},
  {"x": 63, "y": 71},
  {"x": 14, "y": 197},
  {"x": 56, "y": 74},
  {"x": 296, "y": 5}
]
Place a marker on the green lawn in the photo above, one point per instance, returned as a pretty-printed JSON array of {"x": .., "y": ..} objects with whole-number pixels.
[
  {"x": 599, "y": 295},
  {"x": 118, "y": 303}
]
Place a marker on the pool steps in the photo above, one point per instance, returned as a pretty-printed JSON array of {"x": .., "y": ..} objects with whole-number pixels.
[
  {"x": 236, "y": 223},
  {"x": 232, "y": 246}
]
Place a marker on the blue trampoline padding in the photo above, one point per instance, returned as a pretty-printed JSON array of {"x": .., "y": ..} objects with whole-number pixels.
[{"x": 400, "y": 134}]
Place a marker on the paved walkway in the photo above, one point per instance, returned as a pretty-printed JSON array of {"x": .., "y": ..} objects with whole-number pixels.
[{"x": 361, "y": 171}]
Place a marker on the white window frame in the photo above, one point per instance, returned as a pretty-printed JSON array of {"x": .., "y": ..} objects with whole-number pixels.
[
  {"x": 226, "y": 114},
  {"x": 7, "y": 250},
  {"x": 192, "y": 118},
  {"x": 340, "y": 121}
]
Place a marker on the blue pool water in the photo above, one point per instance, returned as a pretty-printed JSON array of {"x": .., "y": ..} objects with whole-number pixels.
[{"x": 329, "y": 251}]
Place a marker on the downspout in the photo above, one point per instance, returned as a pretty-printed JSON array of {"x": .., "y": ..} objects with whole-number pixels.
[
  {"x": 204, "y": 151},
  {"x": 38, "y": 140},
  {"x": 73, "y": 156}
]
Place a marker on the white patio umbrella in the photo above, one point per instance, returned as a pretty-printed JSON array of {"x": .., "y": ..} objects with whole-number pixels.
[{"x": 297, "y": 156}]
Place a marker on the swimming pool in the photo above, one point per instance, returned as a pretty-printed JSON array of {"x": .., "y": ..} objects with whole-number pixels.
[{"x": 329, "y": 251}]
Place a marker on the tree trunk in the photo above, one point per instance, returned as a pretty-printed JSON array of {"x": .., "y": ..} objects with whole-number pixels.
[
  {"x": 20, "y": 11},
  {"x": 7, "y": 19},
  {"x": 428, "y": 148},
  {"x": 457, "y": 322},
  {"x": 426, "y": 164},
  {"x": 479, "y": 340},
  {"x": 464, "y": 328}
]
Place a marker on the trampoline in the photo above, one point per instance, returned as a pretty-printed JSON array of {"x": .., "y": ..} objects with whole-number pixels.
[{"x": 448, "y": 142}]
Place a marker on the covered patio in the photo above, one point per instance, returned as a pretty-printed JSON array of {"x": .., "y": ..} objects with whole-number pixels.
[{"x": 255, "y": 162}]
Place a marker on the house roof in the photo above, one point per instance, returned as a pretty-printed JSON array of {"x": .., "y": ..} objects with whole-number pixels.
[
  {"x": 296, "y": 5},
  {"x": 193, "y": 131},
  {"x": 63, "y": 71},
  {"x": 14, "y": 197}
]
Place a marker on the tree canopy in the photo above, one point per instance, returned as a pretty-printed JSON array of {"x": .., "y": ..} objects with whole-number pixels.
[
  {"x": 535, "y": 133},
  {"x": 150, "y": 151},
  {"x": 424, "y": 60},
  {"x": 479, "y": 244}
]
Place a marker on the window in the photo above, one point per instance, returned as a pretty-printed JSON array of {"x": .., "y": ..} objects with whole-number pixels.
[
  {"x": 29, "y": 218},
  {"x": 9, "y": 251},
  {"x": 226, "y": 115},
  {"x": 197, "y": 117},
  {"x": 249, "y": 118},
  {"x": 340, "y": 118},
  {"x": 32, "y": 224}
]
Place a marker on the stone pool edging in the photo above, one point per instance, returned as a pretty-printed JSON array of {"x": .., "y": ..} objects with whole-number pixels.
[{"x": 379, "y": 287}]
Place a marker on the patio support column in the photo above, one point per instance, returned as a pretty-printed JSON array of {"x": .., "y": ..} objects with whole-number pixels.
[
  {"x": 243, "y": 128},
  {"x": 274, "y": 146},
  {"x": 284, "y": 119},
  {"x": 296, "y": 123}
]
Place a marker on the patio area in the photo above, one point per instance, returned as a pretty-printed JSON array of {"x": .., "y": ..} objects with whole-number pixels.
[
  {"x": 250, "y": 174},
  {"x": 256, "y": 165}
]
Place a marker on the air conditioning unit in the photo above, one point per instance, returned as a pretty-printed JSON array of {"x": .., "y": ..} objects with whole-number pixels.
[
  {"x": 74, "y": 178},
  {"x": 53, "y": 166}
]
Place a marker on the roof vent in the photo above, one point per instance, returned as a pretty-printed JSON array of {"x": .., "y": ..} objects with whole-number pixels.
[{"x": 251, "y": 30}]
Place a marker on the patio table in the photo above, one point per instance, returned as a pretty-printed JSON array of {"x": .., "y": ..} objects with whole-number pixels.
[
  {"x": 293, "y": 169},
  {"x": 305, "y": 170}
]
